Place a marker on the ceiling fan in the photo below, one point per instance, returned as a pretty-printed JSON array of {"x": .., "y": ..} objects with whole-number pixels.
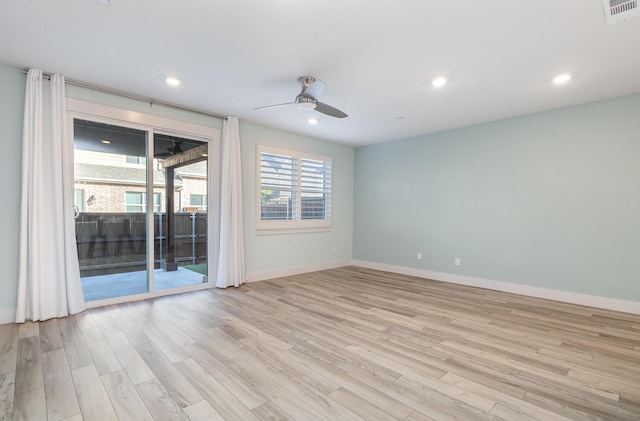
[
  {"x": 307, "y": 99},
  {"x": 172, "y": 150}
]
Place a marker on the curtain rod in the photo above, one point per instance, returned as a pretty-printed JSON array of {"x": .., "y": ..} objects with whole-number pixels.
[{"x": 129, "y": 95}]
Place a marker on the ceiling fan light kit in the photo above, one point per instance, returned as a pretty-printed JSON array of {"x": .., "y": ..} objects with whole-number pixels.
[
  {"x": 307, "y": 99},
  {"x": 305, "y": 103}
]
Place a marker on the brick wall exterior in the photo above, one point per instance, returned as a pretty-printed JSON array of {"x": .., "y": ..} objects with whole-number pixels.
[{"x": 111, "y": 197}]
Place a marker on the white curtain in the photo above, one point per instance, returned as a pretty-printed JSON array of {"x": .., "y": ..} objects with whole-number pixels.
[
  {"x": 231, "y": 270},
  {"x": 48, "y": 274}
]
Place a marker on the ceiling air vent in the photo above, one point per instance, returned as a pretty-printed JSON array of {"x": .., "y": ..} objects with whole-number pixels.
[{"x": 619, "y": 10}]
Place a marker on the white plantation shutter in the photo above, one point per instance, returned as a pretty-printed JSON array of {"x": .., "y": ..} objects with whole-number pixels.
[
  {"x": 316, "y": 189},
  {"x": 295, "y": 190},
  {"x": 278, "y": 186}
]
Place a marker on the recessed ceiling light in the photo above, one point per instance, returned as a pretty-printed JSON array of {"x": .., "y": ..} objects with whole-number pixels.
[
  {"x": 439, "y": 81},
  {"x": 560, "y": 79},
  {"x": 105, "y": 141},
  {"x": 312, "y": 121},
  {"x": 173, "y": 81}
]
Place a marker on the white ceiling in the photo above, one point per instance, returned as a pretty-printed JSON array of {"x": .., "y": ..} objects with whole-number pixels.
[{"x": 377, "y": 57}]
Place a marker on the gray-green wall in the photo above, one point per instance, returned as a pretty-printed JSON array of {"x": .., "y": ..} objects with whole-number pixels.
[
  {"x": 550, "y": 200},
  {"x": 12, "y": 84}
]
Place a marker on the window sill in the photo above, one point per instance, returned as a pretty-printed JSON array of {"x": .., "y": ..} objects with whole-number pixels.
[{"x": 296, "y": 230}]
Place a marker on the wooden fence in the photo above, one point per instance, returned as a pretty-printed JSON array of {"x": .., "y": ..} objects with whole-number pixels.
[{"x": 117, "y": 242}]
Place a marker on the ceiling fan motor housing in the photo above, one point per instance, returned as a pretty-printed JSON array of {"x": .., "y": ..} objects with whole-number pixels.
[
  {"x": 305, "y": 102},
  {"x": 306, "y": 80}
]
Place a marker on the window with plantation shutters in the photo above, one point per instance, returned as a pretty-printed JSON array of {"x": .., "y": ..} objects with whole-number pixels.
[{"x": 295, "y": 190}]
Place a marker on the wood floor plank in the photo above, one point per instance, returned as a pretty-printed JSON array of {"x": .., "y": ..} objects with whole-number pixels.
[
  {"x": 396, "y": 362},
  {"x": 29, "y": 329},
  {"x": 178, "y": 386},
  {"x": 29, "y": 365},
  {"x": 377, "y": 398},
  {"x": 50, "y": 339},
  {"x": 7, "y": 395},
  {"x": 249, "y": 396},
  {"x": 453, "y": 391},
  {"x": 92, "y": 396},
  {"x": 160, "y": 402},
  {"x": 569, "y": 409},
  {"x": 125, "y": 399},
  {"x": 419, "y": 416},
  {"x": 203, "y": 411},
  {"x": 429, "y": 402},
  {"x": 8, "y": 348},
  {"x": 30, "y": 405},
  {"x": 86, "y": 319},
  {"x": 228, "y": 405},
  {"x": 320, "y": 402},
  {"x": 363, "y": 408},
  {"x": 104, "y": 319},
  {"x": 276, "y": 393},
  {"x": 208, "y": 339},
  {"x": 506, "y": 413},
  {"x": 59, "y": 389},
  {"x": 137, "y": 370},
  {"x": 102, "y": 355},
  {"x": 133, "y": 331},
  {"x": 75, "y": 347},
  {"x": 165, "y": 343},
  {"x": 269, "y": 411}
]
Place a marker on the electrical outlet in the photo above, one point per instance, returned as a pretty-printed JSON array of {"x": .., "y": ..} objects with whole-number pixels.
[
  {"x": 419, "y": 256},
  {"x": 333, "y": 251},
  {"x": 457, "y": 261}
]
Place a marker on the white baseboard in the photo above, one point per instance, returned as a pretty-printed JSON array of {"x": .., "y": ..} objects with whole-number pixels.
[
  {"x": 296, "y": 270},
  {"x": 550, "y": 294},
  {"x": 7, "y": 315}
]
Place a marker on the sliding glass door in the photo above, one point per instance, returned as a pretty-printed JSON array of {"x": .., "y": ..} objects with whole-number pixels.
[{"x": 142, "y": 210}]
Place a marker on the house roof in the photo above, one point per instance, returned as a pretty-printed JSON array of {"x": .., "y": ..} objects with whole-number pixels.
[
  {"x": 116, "y": 174},
  {"x": 127, "y": 175}
]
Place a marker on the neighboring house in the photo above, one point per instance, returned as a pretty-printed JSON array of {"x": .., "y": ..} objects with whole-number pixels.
[{"x": 116, "y": 183}]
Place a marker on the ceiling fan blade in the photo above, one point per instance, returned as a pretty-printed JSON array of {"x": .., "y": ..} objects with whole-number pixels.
[
  {"x": 315, "y": 89},
  {"x": 329, "y": 110},
  {"x": 274, "y": 105}
]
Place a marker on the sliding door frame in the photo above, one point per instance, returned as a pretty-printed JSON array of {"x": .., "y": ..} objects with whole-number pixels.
[{"x": 77, "y": 109}]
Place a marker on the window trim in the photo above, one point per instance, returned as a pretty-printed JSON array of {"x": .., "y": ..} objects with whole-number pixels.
[
  {"x": 141, "y": 161},
  {"x": 204, "y": 201},
  {"x": 81, "y": 204},
  {"x": 297, "y": 225},
  {"x": 157, "y": 197}
]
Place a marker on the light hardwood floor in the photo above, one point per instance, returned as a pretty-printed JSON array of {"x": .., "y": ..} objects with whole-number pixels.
[{"x": 348, "y": 343}]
